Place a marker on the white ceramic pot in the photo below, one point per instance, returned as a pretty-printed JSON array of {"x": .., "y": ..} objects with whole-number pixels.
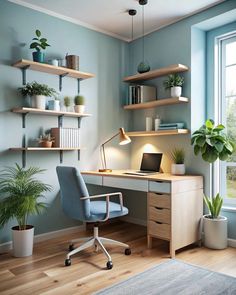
[
  {"x": 22, "y": 241},
  {"x": 175, "y": 91},
  {"x": 79, "y": 109},
  {"x": 39, "y": 102},
  {"x": 215, "y": 232},
  {"x": 177, "y": 169}
]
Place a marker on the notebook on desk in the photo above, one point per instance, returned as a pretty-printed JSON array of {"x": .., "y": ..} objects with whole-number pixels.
[{"x": 150, "y": 164}]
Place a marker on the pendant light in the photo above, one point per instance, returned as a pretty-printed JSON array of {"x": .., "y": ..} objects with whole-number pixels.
[
  {"x": 132, "y": 12},
  {"x": 143, "y": 67}
]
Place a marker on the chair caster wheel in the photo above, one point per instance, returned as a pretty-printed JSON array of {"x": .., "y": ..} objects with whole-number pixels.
[
  {"x": 109, "y": 265},
  {"x": 67, "y": 262},
  {"x": 71, "y": 247},
  {"x": 127, "y": 251}
]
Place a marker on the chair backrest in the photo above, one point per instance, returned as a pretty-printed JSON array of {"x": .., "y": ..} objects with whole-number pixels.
[{"x": 72, "y": 188}]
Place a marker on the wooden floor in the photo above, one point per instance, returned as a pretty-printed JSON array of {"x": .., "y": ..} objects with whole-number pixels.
[{"x": 45, "y": 273}]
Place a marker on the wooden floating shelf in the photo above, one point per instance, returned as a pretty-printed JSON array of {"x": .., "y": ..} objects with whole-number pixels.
[
  {"x": 177, "y": 68},
  {"x": 44, "y": 149},
  {"x": 50, "y": 69},
  {"x": 158, "y": 133},
  {"x": 24, "y": 110},
  {"x": 157, "y": 103}
]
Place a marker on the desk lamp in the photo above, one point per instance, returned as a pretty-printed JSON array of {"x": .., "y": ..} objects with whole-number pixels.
[{"x": 124, "y": 139}]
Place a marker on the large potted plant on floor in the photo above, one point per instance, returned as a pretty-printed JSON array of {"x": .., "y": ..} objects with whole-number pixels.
[
  {"x": 20, "y": 194},
  {"x": 213, "y": 144}
]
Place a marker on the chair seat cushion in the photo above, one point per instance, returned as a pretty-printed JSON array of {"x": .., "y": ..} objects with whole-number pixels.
[{"x": 98, "y": 210}]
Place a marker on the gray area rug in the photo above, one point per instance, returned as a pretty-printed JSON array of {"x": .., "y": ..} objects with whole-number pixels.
[{"x": 174, "y": 277}]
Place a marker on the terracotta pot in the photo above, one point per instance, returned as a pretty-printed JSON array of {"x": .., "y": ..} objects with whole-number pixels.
[{"x": 46, "y": 144}]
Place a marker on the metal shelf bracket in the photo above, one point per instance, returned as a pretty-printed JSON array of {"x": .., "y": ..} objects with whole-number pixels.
[{"x": 60, "y": 80}]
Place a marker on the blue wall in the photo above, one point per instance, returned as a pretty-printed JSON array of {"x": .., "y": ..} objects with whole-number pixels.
[
  {"x": 110, "y": 60},
  {"x": 99, "y": 54}
]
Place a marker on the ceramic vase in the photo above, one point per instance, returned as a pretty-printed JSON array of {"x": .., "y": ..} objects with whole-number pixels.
[{"x": 175, "y": 91}]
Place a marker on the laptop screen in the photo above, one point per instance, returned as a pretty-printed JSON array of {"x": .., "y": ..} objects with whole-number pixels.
[{"x": 151, "y": 162}]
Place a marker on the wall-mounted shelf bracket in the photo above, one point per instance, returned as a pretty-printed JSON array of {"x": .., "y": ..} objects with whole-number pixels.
[
  {"x": 78, "y": 80},
  {"x": 23, "y": 119},
  {"x": 78, "y": 155},
  {"x": 23, "y": 69},
  {"x": 60, "y": 80},
  {"x": 24, "y": 151},
  {"x": 60, "y": 121},
  {"x": 79, "y": 122},
  {"x": 61, "y": 156}
]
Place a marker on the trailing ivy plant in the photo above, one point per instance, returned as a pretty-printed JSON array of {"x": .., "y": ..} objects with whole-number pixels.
[
  {"x": 212, "y": 142},
  {"x": 39, "y": 43}
]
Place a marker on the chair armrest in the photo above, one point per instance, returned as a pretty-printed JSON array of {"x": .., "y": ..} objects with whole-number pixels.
[{"x": 107, "y": 201}]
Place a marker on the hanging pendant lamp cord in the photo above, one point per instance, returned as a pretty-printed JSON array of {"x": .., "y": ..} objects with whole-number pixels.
[{"x": 143, "y": 29}]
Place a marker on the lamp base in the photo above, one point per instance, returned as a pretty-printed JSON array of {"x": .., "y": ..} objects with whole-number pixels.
[{"x": 104, "y": 170}]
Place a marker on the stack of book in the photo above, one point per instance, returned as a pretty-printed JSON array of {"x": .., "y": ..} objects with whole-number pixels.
[
  {"x": 65, "y": 137},
  {"x": 141, "y": 93},
  {"x": 171, "y": 126}
]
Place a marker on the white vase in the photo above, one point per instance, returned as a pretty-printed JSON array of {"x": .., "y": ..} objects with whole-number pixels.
[
  {"x": 39, "y": 102},
  {"x": 22, "y": 241},
  {"x": 177, "y": 169},
  {"x": 215, "y": 232},
  {"x": 175, "y": 91},
  {"x": 79, "y": 109}
]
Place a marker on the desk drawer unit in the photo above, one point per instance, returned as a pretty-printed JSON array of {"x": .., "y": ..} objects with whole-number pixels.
[
  {"x": 92, "y": 179},
  {"x": 159, "y": 214},
  {"x": 126, "y": 183},
  {"x": 159, "y": 187},
  {"x": 158, "y": 229},
  {"x": 159, "y": 200}
]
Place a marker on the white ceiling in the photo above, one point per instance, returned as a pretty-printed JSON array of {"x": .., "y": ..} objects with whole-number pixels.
[{"x": 111, "y": 16}]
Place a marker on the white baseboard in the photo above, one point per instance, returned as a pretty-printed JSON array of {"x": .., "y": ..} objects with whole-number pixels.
[
  {"x": 46, "y": 236},
  {"x": 232, "y": 243},
  {"x": 134, "y": 220}
]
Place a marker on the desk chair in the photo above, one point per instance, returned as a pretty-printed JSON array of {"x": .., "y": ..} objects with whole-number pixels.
[{"x": 77, "y": 204}]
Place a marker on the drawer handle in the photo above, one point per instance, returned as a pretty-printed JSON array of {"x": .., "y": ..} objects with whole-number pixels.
[
  {"x": 158, "y": 208},
  {"x": 159, "y": 194},
  {"x": 159, "y": 181},
  {"x": 158, "y": 222}
]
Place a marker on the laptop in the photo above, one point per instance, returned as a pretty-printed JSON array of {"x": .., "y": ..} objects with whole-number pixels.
[{"x": 150, "y": 164}]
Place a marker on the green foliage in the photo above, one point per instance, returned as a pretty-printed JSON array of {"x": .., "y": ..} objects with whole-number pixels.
[
  {"x": 214, "y": 205},
  {"x": 79, "y": 100},
  {"x": 178, "y": 155},
  {"x": 67, "y": 101},
  {"x": 39, "y": 43},
  {"x": 20, "y": 191},
  {"x": 212, "y": 142},
  {"x": 35, "y": 88},
  {"x": 46, "y": 137},
  {"x": 173, "y": 80}
]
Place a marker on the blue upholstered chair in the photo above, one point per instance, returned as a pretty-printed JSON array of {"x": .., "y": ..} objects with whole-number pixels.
[{"x": 78, "y": 205}]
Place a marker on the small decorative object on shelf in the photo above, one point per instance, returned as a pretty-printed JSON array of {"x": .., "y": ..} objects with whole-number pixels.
[
  {"x": 54, "y": 104},
  {"x": 79, "y": 104},
  {"x": 72, "y": 62},
  {"x": 46, "y": 140},
  {"x": 53, "y": 62},
  {"x": 174, "y": 83},
  {"x": 67, "y": 103},
  {"x": 149, "y": 123},
  {"x": 178, "y": 156},
  {"x": 157, "y": 122},
  {"x": 38, "y": 44},
  {"x": 38, "y": 93}
]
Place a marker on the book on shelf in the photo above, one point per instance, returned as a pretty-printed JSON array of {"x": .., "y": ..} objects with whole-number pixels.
[
  {"x": 141, "y": 94},
  {"x": 65, "y": 137}
]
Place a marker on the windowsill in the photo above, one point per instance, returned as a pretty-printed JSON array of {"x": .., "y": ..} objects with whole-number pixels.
[{"x": 229, "y": 208}]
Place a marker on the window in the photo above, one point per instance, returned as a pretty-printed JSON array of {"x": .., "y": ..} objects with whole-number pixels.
[{"x": 227, "y": 112}]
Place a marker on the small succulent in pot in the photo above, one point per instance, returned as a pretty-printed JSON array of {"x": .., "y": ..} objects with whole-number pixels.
[
  {"x": 38, "y": 44},
  {"x": 67, "y": 102},
  {"x": 175, "y": 83},
  {"x": 178, "y": 157},
  {"x": 79, "y": 101},
  {"x": 46, "y": 140}
]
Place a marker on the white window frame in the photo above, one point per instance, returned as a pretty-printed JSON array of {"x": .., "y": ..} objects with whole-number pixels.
[{"x": 219, "y": 111}]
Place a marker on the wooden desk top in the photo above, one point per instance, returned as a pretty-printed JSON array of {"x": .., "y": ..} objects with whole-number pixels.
[{"x": 156, "y": 177}]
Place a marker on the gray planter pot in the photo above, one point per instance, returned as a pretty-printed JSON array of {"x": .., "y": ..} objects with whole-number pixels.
[
  {"x": 215, "y": 232},
  {"x": 23, "y": 241}
]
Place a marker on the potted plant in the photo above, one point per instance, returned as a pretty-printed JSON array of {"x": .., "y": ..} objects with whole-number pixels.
[
  {"x": 175, "y": 83},
  {"x": 178, "y": 167},
  {"x": 38, "y": 44},
  {"x": 38, "y": 93},
  {"x": 67, "y": 102},
  {"x": 79, "y": 104},
  {"x": 46, "y": 140},
  {"x": 20, "y": 193},
  {"x": 212, "y": 143}
]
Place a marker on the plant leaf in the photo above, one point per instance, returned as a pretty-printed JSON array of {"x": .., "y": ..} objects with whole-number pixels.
[
  {"x": 38, "y": 33},
  {"x": 209, "y": 124}
]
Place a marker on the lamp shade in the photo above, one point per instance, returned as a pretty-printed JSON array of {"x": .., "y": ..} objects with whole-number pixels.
[{"x": 124, "y": 139}]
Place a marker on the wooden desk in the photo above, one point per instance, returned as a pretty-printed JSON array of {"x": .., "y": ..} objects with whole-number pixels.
[{"x": 174, "y": 203}]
